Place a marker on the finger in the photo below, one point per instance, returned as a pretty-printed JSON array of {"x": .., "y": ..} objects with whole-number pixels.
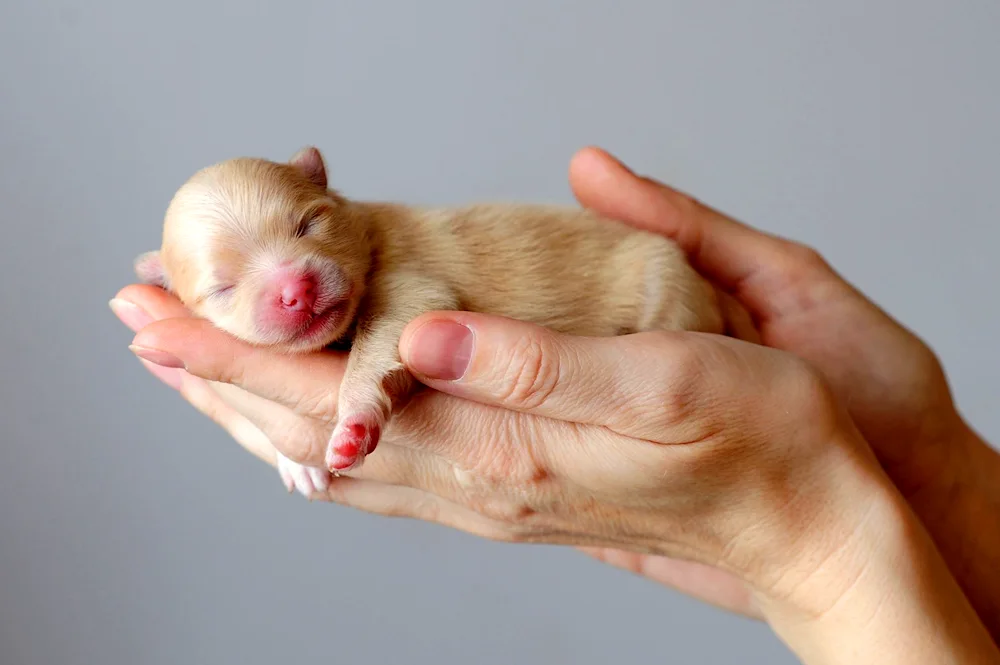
[
  {"x": 207, "y": 352},
  {"x": 504, "y": 485},
  {"x": 409, "y": 481},
  {"x": 389, "y": 467},
  {"x": 698, "y": 580},
  {"x": 397, "y": 501},
  {"x": 745, "y": 261},
  {"x": 507, "y": 363},
  {"x": 390, "y": 480},
  {"x": 198, "y": 393},
  {"x": 216, "y": 356},
  {"x": 490, "y": 454},
  {"x": 613, "y": 381},
  {"x": 299, "y": 438},
  {"x": 386, "y": 485},
  {"x": 739, "y": 323},
  {"x": 303, "y": 440},
  {"x": 258, "y": 424},
  {"x": 262, "y": 426},
  {"x": 139, "y": 305}
]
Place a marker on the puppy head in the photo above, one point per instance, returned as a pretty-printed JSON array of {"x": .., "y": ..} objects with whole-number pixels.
[{"x": 265, "y": 251}]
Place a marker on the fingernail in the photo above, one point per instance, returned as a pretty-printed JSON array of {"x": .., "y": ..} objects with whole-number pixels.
[
  {"x": 171, "y": 377},
  {"x": 441, "y": 350},
  {"x": 130, "y": 314},
  {"x": 155, "y": 356}
]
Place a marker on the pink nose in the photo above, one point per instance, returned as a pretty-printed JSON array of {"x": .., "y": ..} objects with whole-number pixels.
[
  {"x": 297, "y": 292},
  {"x": 288, "y": 300}
]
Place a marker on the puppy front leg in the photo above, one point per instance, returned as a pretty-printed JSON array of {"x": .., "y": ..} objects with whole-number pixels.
[{"x": 375, "y": 379}]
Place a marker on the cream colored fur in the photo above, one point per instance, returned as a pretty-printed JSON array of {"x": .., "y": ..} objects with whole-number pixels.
[{"x": 560, "y": 267}]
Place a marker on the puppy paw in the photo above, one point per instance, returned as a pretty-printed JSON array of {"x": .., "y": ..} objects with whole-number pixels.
[
  {"x": 307, "y": 480},
  {"x": 355, "y": 436}
]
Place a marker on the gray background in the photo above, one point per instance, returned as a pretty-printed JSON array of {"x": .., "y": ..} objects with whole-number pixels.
[{"x": 135, "y": 531}]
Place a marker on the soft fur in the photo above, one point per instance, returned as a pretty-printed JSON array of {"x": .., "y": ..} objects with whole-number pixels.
[{"x": 380, "y": 265}]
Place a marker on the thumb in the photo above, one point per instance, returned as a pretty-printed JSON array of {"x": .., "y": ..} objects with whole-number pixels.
[
  {"x": 742, "y": 260},
  {"x": 306, "y": 382},
  {"x": 531, "y": 369}
]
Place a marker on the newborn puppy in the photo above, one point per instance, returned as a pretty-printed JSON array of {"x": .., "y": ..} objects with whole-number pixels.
[{"x": 268, "y": 253}]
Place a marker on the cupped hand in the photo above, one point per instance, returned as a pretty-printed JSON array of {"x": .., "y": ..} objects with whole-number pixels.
[
  {"x": 891, "y": 382},
  {"x": 724, "y": 454}
]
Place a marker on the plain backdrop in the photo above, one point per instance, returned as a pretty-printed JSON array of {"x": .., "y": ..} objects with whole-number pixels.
[{"x": 133, "y": 530}]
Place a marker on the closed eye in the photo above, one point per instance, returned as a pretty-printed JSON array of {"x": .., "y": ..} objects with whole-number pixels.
[
  {"x": 304, "y": 227},
  {"x": 222, "y": 290}
]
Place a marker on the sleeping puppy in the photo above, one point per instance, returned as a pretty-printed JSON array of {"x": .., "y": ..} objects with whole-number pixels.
[{"x": 267, "y": 252}]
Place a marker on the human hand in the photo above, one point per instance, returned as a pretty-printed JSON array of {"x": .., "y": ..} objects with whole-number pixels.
[
  {"x": 707, "y": 449},
  {"x": 892, "y": 383},
  {"x": 247, "y": 416},
  {"x": 945, "y": 471},
  {"x": 289, "y": 401}
]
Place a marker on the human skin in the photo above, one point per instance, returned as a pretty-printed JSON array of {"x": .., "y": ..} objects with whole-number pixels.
[
  {"x": 774, "y": 574},
  {"x": 893, "y": 385}
]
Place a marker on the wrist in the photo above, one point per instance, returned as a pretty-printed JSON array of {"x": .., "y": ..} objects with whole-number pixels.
[
  {"x": 961, "y": 510},
  {"x": 883, "y": 595},
  {"x": 977, "y": 464},
  {"x": 943, "y": 457}
]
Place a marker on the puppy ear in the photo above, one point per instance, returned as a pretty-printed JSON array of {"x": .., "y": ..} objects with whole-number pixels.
[
  {"x": 310, "y": 162},
  {"x": 149, "y": 269}
]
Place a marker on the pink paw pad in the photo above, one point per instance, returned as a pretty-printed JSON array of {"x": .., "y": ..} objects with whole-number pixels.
[{"x": 352, "y": 440}]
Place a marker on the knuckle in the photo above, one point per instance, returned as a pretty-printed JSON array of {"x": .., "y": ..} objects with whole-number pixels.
[
  {"x": 227, "y": 370},
  {"x": 302, "y": 437},
  {"x": 507, "y": 484},
  {"x": 499, "y": 533},
  {"x": 233, "y": 365},
  {"x": 809, "y": 396},
  {"x": 523, "y": 536},
  {"x": 514, "y": 513},
  {"x": 532, "y": 529},
  {"x": 532, "y": 373},
  {"x": 426, "y": 508},
  {"x": 320, "y": 406},
  {"x": 925, "y": 362},
  {"x": 677, "y": 391},
  {"x": 806, "y": 257},
  {"x": 685, "y": 205},
  {"x": 506, "y": 457}
]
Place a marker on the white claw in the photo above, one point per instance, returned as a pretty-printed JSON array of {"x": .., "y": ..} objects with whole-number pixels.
[
  {"x": 307, "y": 480},
  {"x": 286, "y": 476},
  {"x": 320, "y": 479}
]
